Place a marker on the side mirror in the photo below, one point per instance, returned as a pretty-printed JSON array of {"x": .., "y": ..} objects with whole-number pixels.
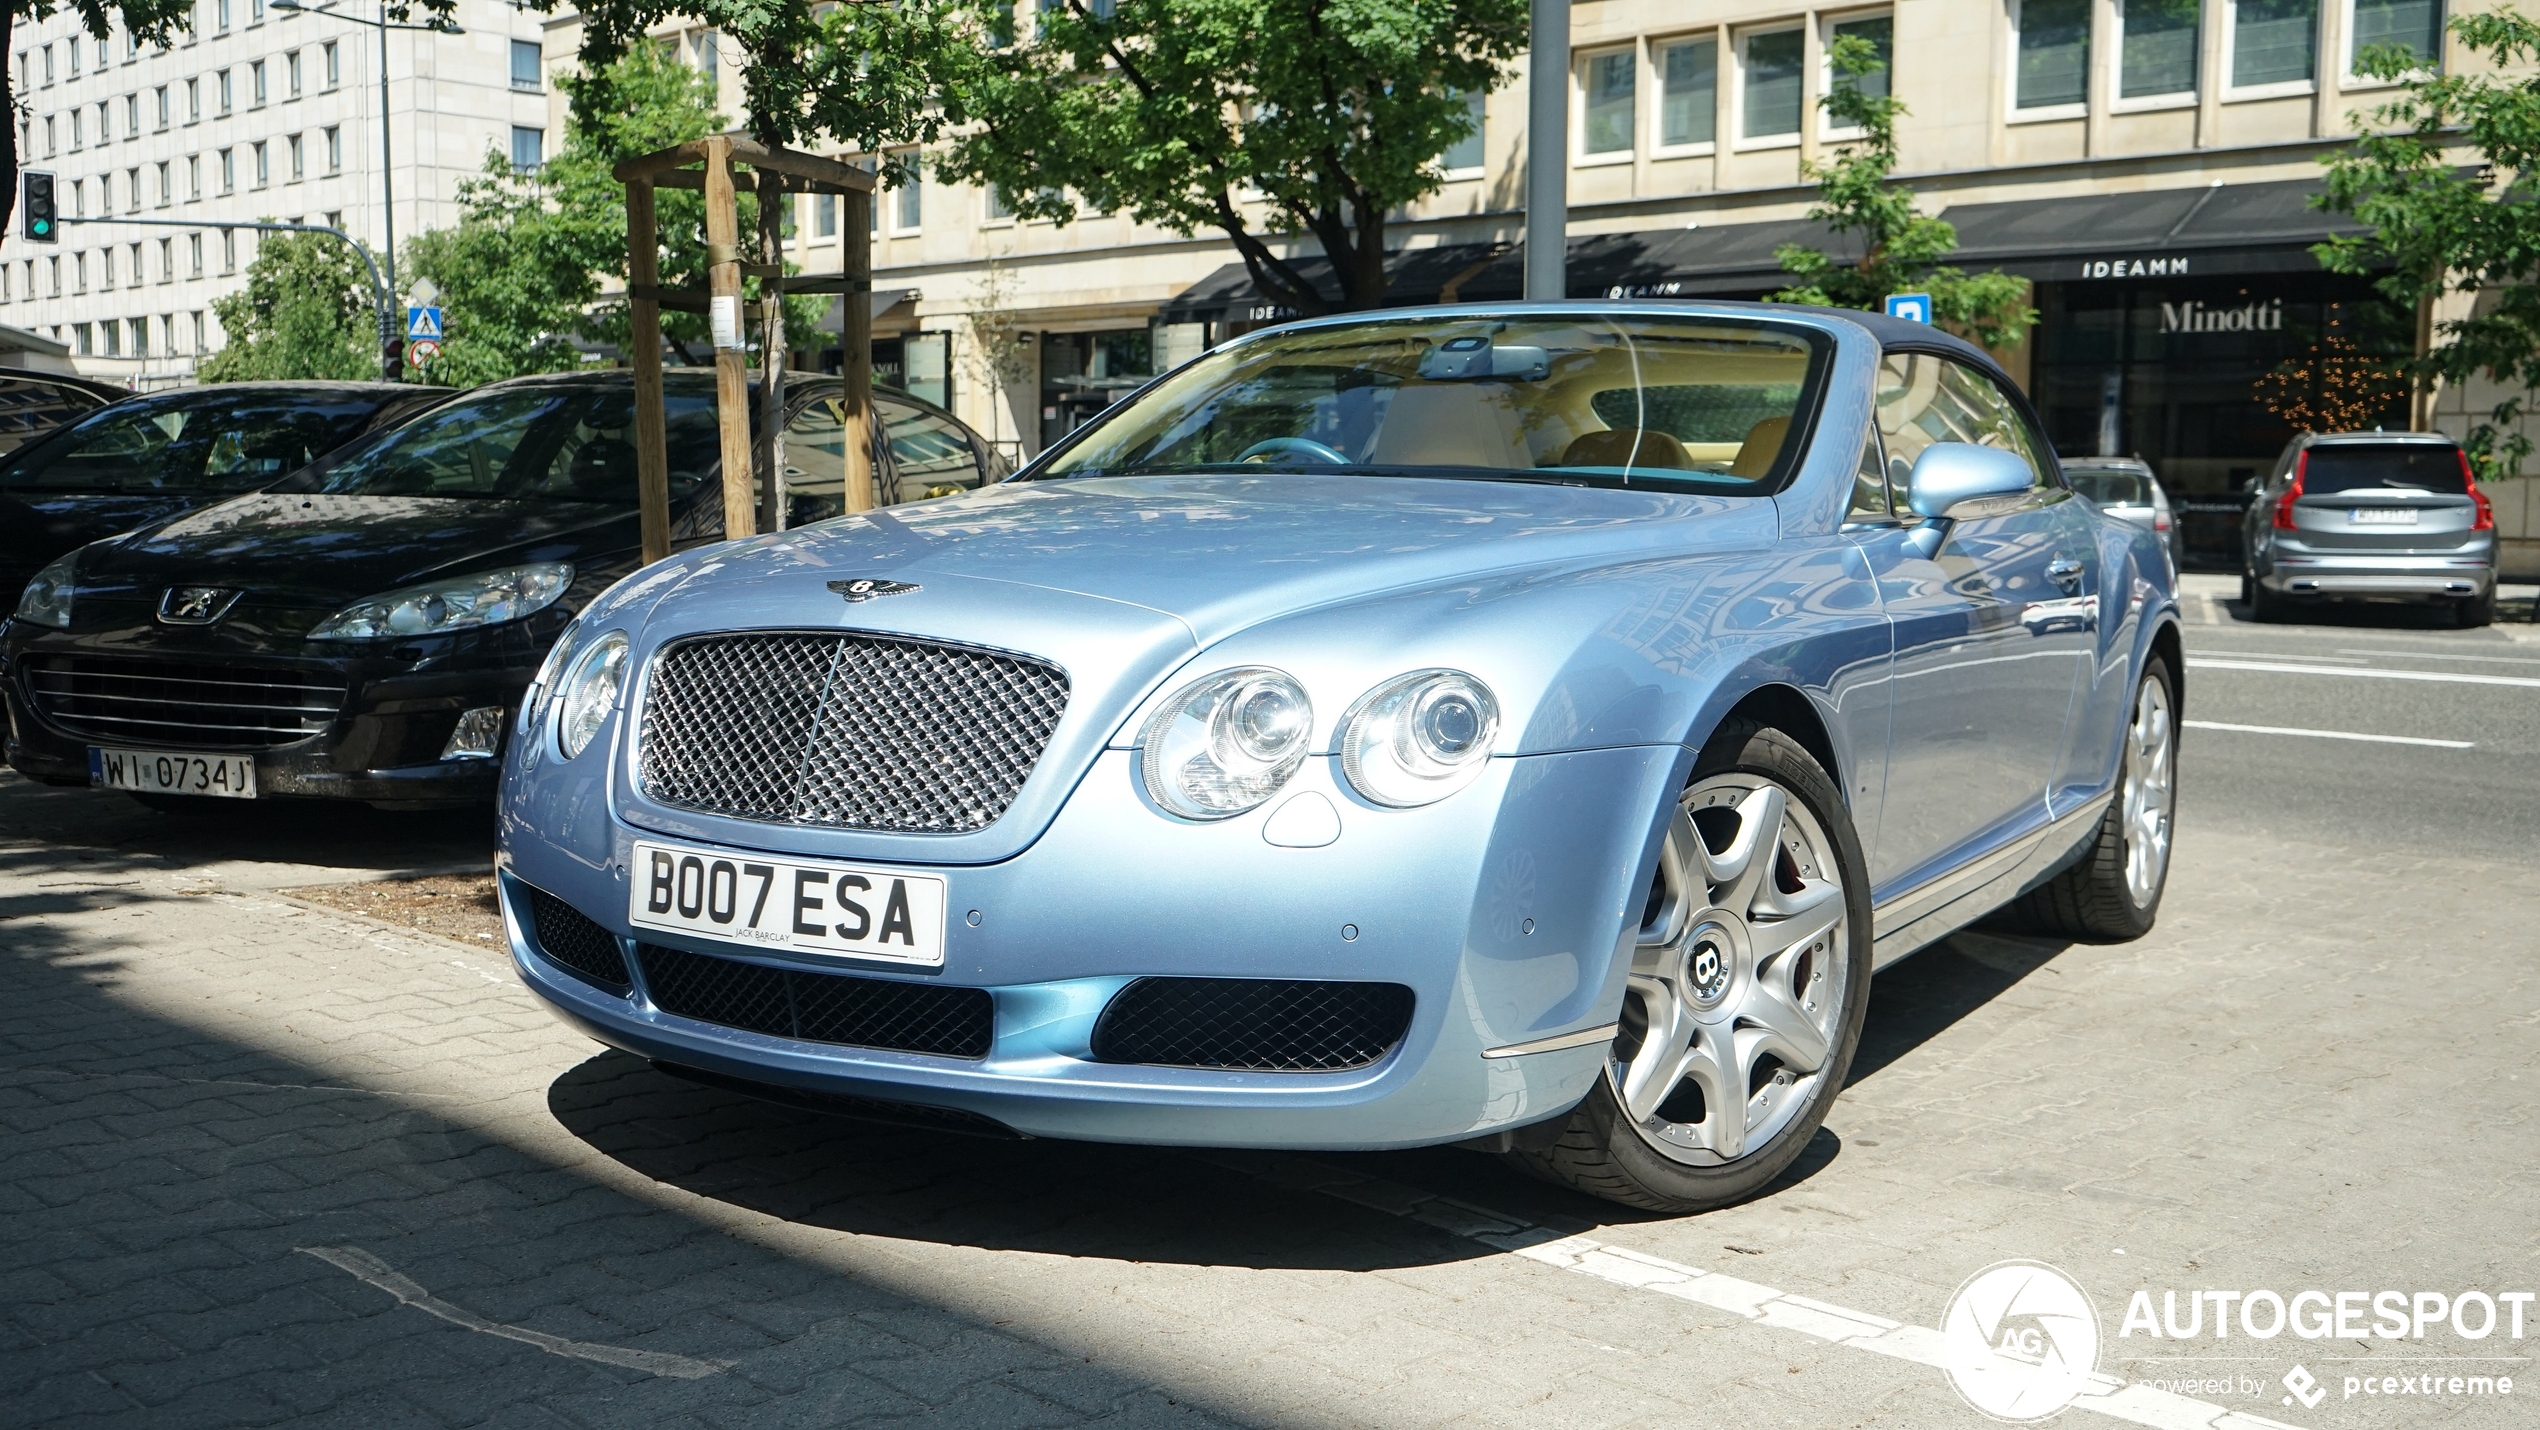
[{"x": 1949, "y": 475}]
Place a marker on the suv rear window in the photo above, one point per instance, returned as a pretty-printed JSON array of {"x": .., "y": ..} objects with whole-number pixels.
[
  {"x": 2412, "y": 466},
  {"x": 2110, "y": 486}
]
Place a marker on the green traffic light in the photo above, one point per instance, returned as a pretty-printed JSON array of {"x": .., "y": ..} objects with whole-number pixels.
[{"x": 42, "y": 227}]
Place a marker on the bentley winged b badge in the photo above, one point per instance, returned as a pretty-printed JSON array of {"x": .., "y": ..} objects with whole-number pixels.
[{"x": 865, "y": 588}]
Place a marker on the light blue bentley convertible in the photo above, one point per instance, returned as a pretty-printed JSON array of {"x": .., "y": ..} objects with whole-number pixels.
[{"x": 1526, "y": 727}]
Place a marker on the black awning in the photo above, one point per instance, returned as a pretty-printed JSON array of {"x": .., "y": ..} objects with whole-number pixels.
[
  {"x": 2217, "y": 229},
  {"x": 1412, "y": 276}
]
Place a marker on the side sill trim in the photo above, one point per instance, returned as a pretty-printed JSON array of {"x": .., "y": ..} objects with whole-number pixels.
[
  {"x": 1556, "y": 1042},
  {"x": 1924, "y": 916}
]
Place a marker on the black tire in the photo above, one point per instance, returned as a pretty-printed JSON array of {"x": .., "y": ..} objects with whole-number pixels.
[
  {"x": 2266, "y": 606},
  {"x": 2091, "y": 899},
  {"x": 2479, "y": 610},
  {"x": 1600, "y": 1152},
  {"x": 2248, "y": 589}
]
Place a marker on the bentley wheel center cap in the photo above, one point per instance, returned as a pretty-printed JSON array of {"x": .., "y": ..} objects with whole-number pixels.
[{"x": 1707, "y": 970}]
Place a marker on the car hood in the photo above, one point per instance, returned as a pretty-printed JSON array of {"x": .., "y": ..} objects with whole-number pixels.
[
  {"x": 306, "y": 550},
  {"x": 1221, "y": 553}
]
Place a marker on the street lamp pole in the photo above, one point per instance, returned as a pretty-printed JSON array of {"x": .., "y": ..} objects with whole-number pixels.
[{"x": 388, "y": 345}]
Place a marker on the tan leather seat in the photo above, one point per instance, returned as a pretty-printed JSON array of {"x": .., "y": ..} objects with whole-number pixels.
[
  {"x": 1627, "y": 447},
  {"x": 1763, "y": 443},
  {"x": 1449, "y": 425}
]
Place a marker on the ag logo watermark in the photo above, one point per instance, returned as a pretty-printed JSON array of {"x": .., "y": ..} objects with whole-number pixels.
[{"x": 2020, "y": 1341}]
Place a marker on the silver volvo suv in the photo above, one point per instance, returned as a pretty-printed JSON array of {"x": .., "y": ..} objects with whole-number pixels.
[{"x": 2370, "y": 514}]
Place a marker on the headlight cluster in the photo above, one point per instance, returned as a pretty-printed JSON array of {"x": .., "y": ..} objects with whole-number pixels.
[
  {"x": 1225, "y": 743},
  {"x": 533, "y": 702},
  {"x": 488, "y": 598},
  {"x": 47, "y": 599},
  {"x": 589, "y": 692}
]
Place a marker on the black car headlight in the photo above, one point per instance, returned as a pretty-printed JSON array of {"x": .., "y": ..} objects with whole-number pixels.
[
  {"x": 485, "y": 599},
  {"x": 589, "y": 692},
  {"x": 1226, "y": 742},
  {"x": 47, "y": 599},
  {"x": 1418, "y": 738}
]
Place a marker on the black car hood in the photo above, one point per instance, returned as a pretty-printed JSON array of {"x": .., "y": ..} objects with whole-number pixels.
[{"x": 288, "y": 549}]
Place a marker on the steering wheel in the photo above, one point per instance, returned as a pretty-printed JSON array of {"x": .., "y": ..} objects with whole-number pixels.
[{"x": 1304, "y": 445}]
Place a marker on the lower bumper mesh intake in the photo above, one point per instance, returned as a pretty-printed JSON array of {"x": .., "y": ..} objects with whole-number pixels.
[
  {"x": 820, "y": 1007},
  {"x": 1252, "y": 1024},
  {"x": 571, "y": 938}
]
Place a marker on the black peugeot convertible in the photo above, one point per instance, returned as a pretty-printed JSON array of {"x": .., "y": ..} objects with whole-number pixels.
[{"x": 360, "y": 628}]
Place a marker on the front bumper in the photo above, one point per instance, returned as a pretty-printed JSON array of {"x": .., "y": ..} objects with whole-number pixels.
[
  {"x": 384, "y": 746},
  {"x": 1506, "y": 908}
]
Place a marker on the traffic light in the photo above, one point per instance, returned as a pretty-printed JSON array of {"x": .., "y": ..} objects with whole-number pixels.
[{"x": 42, "y": 222}]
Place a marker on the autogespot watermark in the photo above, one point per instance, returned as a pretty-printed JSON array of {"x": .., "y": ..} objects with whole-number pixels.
[{"x": 2021, "y": 1341}]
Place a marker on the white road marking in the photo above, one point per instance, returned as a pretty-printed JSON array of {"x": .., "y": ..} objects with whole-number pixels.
[
  {"x": 1769, "y": 1306},
  {"x": 2430, "y": 655},
  {"x": 387, "y": 1278},
  {"x": 2287, "y": 668},
  {"x": 2327, "y": 734},
  {"x": 2291, "y": 655}
]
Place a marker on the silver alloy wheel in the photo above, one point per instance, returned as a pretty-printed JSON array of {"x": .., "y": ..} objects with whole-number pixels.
[
  {"x": 1737, "y": 979},
  {"x": 2150, "y": 788}
]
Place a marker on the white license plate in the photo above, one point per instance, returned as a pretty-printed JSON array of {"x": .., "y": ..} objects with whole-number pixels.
[
  {"x": 173, "y": 772},
  {"x": 2384, "y": 516},
  {"x": 807, "y": 906}
]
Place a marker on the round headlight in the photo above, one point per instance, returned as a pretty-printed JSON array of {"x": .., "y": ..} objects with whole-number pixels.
[
  {"x": 46, "y": 601},
  {"x": 589, "y": 693},
  {"x": 1418, "y": 738},
  {"x": 533, "y": 701},
  {"x": 1225, "y": 743}
]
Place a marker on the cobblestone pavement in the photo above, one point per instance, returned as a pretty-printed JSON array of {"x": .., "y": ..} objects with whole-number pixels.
[{"x": 269, "y": 1162}]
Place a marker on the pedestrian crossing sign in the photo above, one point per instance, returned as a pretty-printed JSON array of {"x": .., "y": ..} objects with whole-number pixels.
[{"x": 423, "y": 325}]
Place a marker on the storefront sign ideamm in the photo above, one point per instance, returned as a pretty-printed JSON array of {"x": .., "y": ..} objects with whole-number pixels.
[
  {"x": 2133, "y": 268},
  {"x": 2264, "y": 316}
]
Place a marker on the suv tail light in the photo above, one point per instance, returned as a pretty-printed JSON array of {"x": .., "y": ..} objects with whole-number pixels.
[
  {"x": 2284, "y": 503},
  {"x": 2469, "y": 480}
]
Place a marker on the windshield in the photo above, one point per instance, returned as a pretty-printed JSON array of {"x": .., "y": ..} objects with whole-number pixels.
[
  {"x": 203, "y": 442},
  {"x": 1678, "y": 404},
  {"x": 566, "y": 442},
  {"x": 2110, "y": 486},
  {"x": 2334, "y": 467}
]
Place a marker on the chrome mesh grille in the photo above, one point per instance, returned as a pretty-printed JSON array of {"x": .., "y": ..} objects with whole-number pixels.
[
  {"x": 142, "y": 700},
  {"x": 845, "y": 730}
]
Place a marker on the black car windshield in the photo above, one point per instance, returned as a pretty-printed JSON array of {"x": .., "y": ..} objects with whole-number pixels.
[
  {"x": 566, "y": 442},
  {"x": 2110, "y": 486},
  {"x": 203, "y": 441},
  {"x": 1678, "y": 404},
  {"x": 2334, "y": 467}
]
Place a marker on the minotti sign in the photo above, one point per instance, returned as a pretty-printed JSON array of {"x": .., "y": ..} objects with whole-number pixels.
[{"x": 2264, "y": 316}]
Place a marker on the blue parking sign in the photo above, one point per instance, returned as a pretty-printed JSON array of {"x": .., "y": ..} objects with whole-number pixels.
[
  {"x": 424, "y": 324},
  {"x": 1912, "y": 307}
]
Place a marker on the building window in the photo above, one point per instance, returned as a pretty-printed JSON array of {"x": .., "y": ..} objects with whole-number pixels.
[
  {"x": 229, "y": 250},
  {"x": 193, "y": 101},
  {"x": 1880, "y": 32},
  {"x": 1464, "y": 156},
  {"x": 222, "y": 81},
  {"x": 529, "y": 147},
  {"x": 194, "y": 255},
  {"x": 2156, "y": 47},
  {"x": 824, "y": 216},
  {"x": 220, "y": 9},
  {"x": 193, "y": 176},
  {"x": 334, "y": 150},
  {"x": 73, "y": 49},
  {"x": 999, "y": 209},
  {"x": 48, "y": 136},
  {"x": 167, "y": 184},
  {"x": 167, "y": 260},
  {"x": 135, "y": 280},
  {"x": 334, "y": 65},
  {"x": 2053, "y": 69},
  {"x": 2273, "y": 42},
  {"x": 53, "y": 268},
  {"x": 48, "y": 66},
  {"x": 525, "y": 64},
  {"x": 256, "y": 85},
  {"x": 1688, "y": 92},
  {"x": 229, "y": 171},
  {"x": 106, "y": 268},
  {"x": 1605, "y": 117},
  {"x": 908, "y": 201},
  {"x": 299, "y": 159},
  {"x": 255, "y": 12},
  {"x": 264, "y": 164},
  {"x": 79, "y": 129},
  {"x": 2415, "y": 24},
  {"x": 166, "y": 110},
  {"x": 291, "y": 74},
  {"x": 112, "y": 332},
  {"x": 1772, "y": 75},
  {"x": 200, "y": 329}
]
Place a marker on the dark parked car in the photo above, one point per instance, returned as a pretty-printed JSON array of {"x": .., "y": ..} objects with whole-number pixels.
[
  {"x": 360, "y": 628},
  {"x": 34, "y": 403},
  {"x": 145, "y": 459},
  {"x": 2370, "y": 514},
  {"x": 2125, "y": 488}
]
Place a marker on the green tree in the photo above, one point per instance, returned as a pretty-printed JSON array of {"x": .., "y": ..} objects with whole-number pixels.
[
  {"x": 2433, "y": 228},
  {"x": 307, "y": 311},
  {"x": 1901, "y": 247},
  {"x": 1183, "y": 113}
]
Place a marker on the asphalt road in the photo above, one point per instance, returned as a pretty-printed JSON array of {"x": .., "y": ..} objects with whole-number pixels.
[{"x": 267, "y": 1162}]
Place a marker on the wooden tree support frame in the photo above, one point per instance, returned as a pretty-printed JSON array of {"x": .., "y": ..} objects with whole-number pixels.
[{"x": 706, "y": 164}]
